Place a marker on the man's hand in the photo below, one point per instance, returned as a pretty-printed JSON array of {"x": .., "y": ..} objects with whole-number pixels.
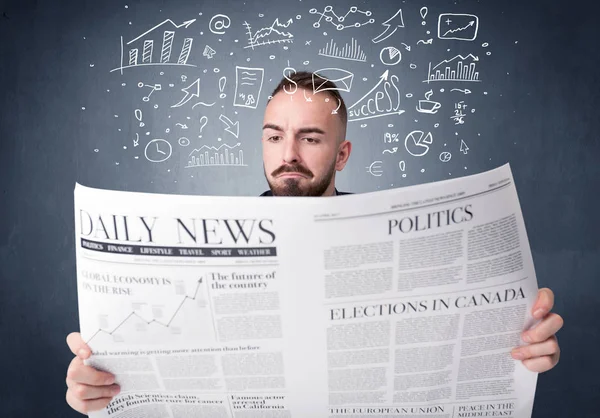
[
  {"x": 89, "y": 389},
  {"x": 543, "y": 351}
]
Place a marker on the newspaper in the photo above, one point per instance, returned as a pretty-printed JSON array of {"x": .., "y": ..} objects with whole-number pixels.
[{"x": 397, "y": 303}]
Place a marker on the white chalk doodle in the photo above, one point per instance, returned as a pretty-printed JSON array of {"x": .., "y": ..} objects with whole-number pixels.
[
  {"x": 390, "y": 55},
  {"x": 382, "y": 100},
  {"x": 308, "y": 99},
  {"x": 230, "y": 126},
  {"x": 191, "y": 91},
  {"x": 183, "y": 141},
  {"x": 273, "y": 34},
  {"x": 465, "y": 91},
  {"x": 463, "y": 71},
  {"x": 330, "y": 15},
  {"x": 462, "y": 27},
  {"x": 154, "y": 87},
  {"x": 423, "y": 12},
  {"x": 391, "y": 26},
  {"x": 291, "y": 87},
  {"x": 402, "y": 167},
  {"x": 427, "y": 42},
  {"x": 248, "y": 85},
  {"x": 389, "y": 138},
  {"x": 203, "y": 104},
  {"x": 163, "y": 56},
  {"x": 459, "y": 115},
  {"x": 219, "y": 22},
  {"x": 375, "y": 169},
  {"x": 223, "y": 155},
  {"x": 222, "y": 82},
  {"x": 393, "y": 150},
  {"x": 208, "y": 52},
  {"x": 428, "y": 106},
  {"x": 203, "y": 122},
  {"x": 342, "y": 78},
  {"x": 138, "y": 116},
  {"x": 350, "y": 51},
  {"x": 136, "y": 141},
  {"x": 417, "y": 143},
  {"x": 445, "y": 156},
  {"x": 158, "y": 150},
  {"x": 463, "y": 147},
  {"x": 181, "y": 125}
]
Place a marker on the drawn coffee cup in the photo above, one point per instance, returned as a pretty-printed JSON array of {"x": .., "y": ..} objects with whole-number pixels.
[{"x": 428, "y": 106}]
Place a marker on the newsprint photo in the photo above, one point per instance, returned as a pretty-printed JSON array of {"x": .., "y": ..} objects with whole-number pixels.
[{"x": 397, "y": 303}]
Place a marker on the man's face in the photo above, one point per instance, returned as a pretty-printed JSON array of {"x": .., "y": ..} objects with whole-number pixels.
[{"x": 303, "y": 144}]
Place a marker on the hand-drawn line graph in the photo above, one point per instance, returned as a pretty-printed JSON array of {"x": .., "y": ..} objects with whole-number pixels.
[
  {"x": 154, "y": 321},
  {"x": 329, "y": 15},
  {"x": 222, "y": 155},
  {"x": 351, "y": 52},
  {"x": 391, "y": 26},
  {"x": 269, "y": 35},
  {"x": 248, "y": 85},
  {"x": 462, "y": 27},
  {"x": 162, "y": 56},
  {"x": 368, "y": 106},
  {"x": 462, "y": 72}
]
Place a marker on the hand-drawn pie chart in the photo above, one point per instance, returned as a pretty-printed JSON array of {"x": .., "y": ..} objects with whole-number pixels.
[
  {"x": 417, "y": 143},
  {"x": 445, "y": 156},
  {"x": 390, "y": 55}
]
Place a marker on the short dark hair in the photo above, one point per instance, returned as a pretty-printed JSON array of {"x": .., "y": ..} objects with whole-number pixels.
[{"x": 304, "y": 80}]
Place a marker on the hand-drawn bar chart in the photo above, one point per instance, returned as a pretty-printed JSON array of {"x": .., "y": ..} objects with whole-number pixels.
[
  {"x": 224, "y": 155},
  {"x": 352, "y": 51},
  {"x": 144, "y": 51},
  {"x": 462, "y": 71}
]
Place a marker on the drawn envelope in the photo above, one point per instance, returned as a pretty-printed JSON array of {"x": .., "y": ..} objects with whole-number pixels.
[{"x": 342, "y": 78}]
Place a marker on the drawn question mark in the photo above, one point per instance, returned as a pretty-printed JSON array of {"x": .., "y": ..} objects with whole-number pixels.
[
  {"x": 203, "y": 122},
  {"x": 402, "y": 166},
  {"x": 138, "y": 116},
  {"x": 222, "y": 82}
]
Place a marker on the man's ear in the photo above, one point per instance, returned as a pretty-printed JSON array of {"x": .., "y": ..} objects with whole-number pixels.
[{"x": 344, "y": 150}]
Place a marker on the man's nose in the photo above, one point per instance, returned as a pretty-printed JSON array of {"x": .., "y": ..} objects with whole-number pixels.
[{"x": 291, "y": 153}]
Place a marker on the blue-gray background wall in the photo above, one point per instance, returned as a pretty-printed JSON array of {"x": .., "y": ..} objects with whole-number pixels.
[{"x": 66, "y": 117}]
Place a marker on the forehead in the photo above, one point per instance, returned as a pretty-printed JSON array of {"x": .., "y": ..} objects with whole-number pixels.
[{"x": 295, "y": 109}]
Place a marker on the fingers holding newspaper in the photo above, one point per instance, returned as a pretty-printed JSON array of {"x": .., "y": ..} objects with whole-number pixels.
[
  {"x": 88, "y": 389},
  {"x": 543, "y": 351}
]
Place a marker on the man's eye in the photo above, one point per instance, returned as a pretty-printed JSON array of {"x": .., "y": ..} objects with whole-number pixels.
[
  {"x": 274, "y": 138},
  {"x": 311, "y": 140}
]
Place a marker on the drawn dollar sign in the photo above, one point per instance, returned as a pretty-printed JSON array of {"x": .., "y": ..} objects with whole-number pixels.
[{"x": 287, "y": 73}]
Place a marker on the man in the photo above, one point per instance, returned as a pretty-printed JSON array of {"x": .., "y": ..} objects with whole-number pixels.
[{"x": 304, "y": 145}]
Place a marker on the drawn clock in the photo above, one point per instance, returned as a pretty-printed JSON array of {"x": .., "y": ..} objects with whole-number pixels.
[{"x": 158, "y": 150}]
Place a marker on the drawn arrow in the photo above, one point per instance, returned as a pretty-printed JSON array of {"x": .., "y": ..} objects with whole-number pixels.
[
  {"x": 463, "y": 147},
  {"x": 185, "y": 24},
  {"x": 407, "y": 47},
  {"x": 188, "y": 96},
  {"x": 465, "y": 91},
  {"x": 308, "y": 99},
  {"x": 382, "y": 77},
  {"x": 181, "y": 125},
  {"x": 397, "y": 22},
  {"x": 229, "y": 124},
  {"x": 136, "y": 141}
]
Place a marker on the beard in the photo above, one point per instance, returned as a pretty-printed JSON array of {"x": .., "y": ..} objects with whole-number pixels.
[{"x": 292, "y": 187}]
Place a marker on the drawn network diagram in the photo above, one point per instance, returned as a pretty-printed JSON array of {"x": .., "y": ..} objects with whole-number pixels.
[{"x": 203, "y": 105}]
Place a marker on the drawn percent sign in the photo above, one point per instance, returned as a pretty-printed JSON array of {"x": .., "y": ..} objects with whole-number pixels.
[{"x": 417, "y": 143}]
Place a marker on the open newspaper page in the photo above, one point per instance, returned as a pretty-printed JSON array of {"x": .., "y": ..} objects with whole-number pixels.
[
  {"x": 421, "y": 294},
  {"x": 184, "y": 299},
  {"x": 403, "y": 302}
]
